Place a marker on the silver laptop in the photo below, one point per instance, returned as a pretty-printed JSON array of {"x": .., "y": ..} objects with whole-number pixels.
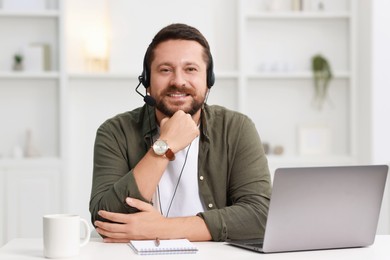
[{"x": 322, "y": 208}]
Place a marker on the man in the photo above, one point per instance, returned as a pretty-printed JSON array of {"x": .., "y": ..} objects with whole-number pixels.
[{"x": 176, "y": 167}]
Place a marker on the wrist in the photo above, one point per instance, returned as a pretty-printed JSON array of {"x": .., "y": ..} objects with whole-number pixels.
[{"x": 161, "y": 148}]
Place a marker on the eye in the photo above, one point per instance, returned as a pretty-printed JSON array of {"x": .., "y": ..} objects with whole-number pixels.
[
  {"x": 165, "y": 69},
  {"x": 191, "y": 69}
]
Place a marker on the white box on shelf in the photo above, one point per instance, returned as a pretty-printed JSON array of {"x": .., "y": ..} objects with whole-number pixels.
[
  {"x": 37, "y": 57},
  {"x": 314, "y": 139},
  {"x": 24, "y": 5},
  {"x": 33, "y": 58}
]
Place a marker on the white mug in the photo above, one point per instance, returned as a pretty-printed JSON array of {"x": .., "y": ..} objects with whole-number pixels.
[{"x": 61, "y": 235}]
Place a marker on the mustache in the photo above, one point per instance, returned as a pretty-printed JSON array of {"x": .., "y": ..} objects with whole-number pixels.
[{"x": 174, "y": 88}]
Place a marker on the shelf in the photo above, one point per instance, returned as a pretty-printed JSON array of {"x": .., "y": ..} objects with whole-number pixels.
[
  {"x": 30, "y": 162},
  {"x": 293, "y": 75},
  {"x": 28, "y": 75},
  {"x": 298, "y": 15},
  {"x": 30, "y": 14},
  {"x": 226, "y": 74}
]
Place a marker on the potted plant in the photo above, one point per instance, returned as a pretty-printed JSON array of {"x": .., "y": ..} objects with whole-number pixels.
[
  {"x": 18, "y": 62},
  {"x": 322, "y": 75}
]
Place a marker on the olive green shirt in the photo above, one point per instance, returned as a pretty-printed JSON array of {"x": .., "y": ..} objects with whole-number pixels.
[{"x": 233, "y": 174}]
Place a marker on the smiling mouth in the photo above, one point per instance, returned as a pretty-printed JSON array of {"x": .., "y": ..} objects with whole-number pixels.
[{"x": 177, "y": 95}]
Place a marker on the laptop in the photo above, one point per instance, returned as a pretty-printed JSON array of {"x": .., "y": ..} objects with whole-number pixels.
[{"x": 315, "y": 208}]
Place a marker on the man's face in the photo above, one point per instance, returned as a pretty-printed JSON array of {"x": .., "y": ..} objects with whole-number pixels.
[{"x": 178, "y": 77}]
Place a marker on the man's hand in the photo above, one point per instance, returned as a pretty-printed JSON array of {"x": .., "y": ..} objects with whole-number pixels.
[
  {"x": 149, "y": 224},
  {"x": 142, "y": 225},
  {"x": 179, "y": 130}
]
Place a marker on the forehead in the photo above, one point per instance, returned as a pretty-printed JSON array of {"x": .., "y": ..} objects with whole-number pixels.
[{"x": 175, "y": 50}]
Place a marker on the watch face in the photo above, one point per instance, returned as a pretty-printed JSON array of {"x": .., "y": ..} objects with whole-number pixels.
[{"x": 160, "y": 147}]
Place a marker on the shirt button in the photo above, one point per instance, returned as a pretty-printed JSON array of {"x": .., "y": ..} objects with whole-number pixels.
[
  {"x": 210, "y": 205},
  {"x": 201, "y": 178}
]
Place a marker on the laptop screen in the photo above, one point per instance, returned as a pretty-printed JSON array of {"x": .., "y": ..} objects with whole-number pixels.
[{"x": 324, "y": 207}]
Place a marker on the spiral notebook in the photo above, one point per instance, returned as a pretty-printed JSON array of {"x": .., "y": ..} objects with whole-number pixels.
[{"x": 171, "y": 246}]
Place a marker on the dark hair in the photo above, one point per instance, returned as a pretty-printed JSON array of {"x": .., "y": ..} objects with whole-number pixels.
[{"x": 177, "y": 31}]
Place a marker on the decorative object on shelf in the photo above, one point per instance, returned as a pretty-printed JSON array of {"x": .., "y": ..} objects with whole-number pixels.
[
  {"x": 317, "y": 5},
  {"x": 297, "y": 5},
  {"x": 38, "y": 57},
  {"x": 30, "y": 149},
  {"x": 278, "y": 150},
  {"x": 276, "y": 67},
  {"x": 322, "y": 75},
  {"x": 314, "y": 139},
  {"x": 18, "y": 62},
  {"x": 275, "y": 5},
  {"x": 266, "y": 148},
  {"x": 97, "y": 48}
]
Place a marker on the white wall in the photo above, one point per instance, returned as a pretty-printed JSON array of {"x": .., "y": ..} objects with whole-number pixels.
[{"x": 132, "y": 29}]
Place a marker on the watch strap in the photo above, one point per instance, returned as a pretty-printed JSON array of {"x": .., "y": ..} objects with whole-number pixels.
[{"x": 170, "y": 154}]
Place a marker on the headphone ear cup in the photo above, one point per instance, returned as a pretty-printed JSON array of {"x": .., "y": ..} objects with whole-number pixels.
[
  {"x": 144, "y": 78},
  {"x": 210, "y": 79},
  {"x": 210, "y": 73},
  {"x": 145, "y": 75}
]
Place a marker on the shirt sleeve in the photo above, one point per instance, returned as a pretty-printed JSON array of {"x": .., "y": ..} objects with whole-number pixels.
[
  {"x": 113, "y": 180},
  {"x": 248, "y": 188}
]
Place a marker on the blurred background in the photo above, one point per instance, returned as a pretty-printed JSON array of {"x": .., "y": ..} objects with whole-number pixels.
[{"x": 67, "y": 66}]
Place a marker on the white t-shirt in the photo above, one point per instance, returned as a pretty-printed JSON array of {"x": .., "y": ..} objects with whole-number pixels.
[{"x": 186, "y": 201}]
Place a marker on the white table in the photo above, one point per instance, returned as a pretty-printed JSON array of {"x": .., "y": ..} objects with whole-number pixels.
[{"x": 32, "y": 249}]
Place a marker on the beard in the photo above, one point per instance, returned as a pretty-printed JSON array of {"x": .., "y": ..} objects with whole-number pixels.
[{"x": 194, "y": 107}]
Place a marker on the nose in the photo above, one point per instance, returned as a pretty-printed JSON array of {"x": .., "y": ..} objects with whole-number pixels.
[{"x": 178, "y": 79}]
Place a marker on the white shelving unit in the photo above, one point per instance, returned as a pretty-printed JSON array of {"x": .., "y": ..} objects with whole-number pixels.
[
  {"x": 30, "y": 14},
  {"x": 29, "y": 75},
  {"x": 32, "y": 101},
  {"x": 19, "y": 30},
  {"x": 250, "y": 15},
  {"x": 275, "y": 50},
  {"x": 293, "y": 75}
]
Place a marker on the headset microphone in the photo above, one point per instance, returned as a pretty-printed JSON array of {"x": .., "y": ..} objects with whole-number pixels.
[{"x": 147, "y": 99}]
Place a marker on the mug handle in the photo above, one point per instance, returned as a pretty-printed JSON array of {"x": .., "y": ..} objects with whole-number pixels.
[{"x": 87, "y": 232}]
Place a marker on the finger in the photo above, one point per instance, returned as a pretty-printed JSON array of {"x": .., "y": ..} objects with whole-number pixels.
[
  {"x": 178, "y": 113},
  {"x": 163, "y": 121},
  {"x": 115, "y": 240},
  {"x": 109, "y": 234},
  {"x": 139, "y": 204},
  {"x": 115, "y": 217},
  {"x": 110, "y": 227}
]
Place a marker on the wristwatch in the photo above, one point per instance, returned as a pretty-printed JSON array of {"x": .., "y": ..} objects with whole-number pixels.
[{"x": 160, "y": 147}]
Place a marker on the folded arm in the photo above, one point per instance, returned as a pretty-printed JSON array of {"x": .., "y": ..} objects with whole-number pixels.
[{"x": 149, "y": 224}]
